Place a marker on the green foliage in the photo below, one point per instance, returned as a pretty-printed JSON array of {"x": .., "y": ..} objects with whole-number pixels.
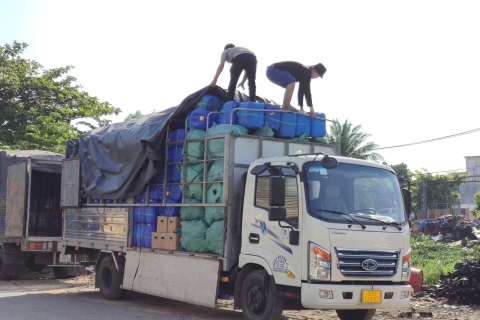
[
  {"x": 440, "y": 188},
  {"x": 38, "y": 106},
  {"x": 435, "y": 258},
  {"x": 476, "y": 211},
  {"x": 134, "y": 115},
  {"x": 352, "y": 141}
]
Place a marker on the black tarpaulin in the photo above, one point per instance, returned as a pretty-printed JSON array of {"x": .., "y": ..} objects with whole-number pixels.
[
  {"x": 9, "y": 157},
  {"x": 118, "y": 160}
]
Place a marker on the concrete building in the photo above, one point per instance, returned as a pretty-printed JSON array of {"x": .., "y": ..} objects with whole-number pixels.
[{"x": 468, "y": 189}]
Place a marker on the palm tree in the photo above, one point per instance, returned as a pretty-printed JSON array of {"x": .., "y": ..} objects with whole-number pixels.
[{"x": 353, "y": 142}]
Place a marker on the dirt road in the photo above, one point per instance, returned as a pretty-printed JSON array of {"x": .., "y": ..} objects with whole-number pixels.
[{"x": 39, "y": 296}]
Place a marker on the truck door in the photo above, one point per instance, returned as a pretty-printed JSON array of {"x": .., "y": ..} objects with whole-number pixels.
[
  {"x": 272, "y": 240},
  {"x": 17, "y": 189}
]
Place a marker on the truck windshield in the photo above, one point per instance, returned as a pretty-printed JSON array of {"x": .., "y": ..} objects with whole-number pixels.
[{"x": 364, "y": 194}]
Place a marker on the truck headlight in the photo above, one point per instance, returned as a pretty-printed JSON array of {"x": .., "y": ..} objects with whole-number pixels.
[
  {"x": 319, "y": 263},
  {"x": 406, "y": 265}
]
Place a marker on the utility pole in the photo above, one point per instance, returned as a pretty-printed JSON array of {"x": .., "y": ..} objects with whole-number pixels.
[{"x": 424, "y": 200}]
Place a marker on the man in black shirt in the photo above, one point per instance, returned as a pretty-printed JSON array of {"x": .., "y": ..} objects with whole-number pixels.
[{"x": 287, "y": 73}]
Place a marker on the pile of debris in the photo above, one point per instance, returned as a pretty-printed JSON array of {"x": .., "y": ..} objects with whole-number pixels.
[
  {"x": 449, "y": 227},
  {"x": 462, "y": 286}
]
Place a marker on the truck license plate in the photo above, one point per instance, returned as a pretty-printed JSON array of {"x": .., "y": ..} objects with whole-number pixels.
[{"x": 371, "y": 296}]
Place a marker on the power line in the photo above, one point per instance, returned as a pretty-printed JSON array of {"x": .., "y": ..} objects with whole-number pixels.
[{"x": 432, "y": 140}]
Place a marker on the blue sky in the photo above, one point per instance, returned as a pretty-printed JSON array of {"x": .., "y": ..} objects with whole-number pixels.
[{"x": 407, "y": 71}]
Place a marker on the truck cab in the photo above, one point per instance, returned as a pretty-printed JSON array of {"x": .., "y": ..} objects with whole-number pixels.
[{"x": 330, "y": 233}]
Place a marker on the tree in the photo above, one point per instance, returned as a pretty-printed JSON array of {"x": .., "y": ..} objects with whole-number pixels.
[
  {"x": 404, "y": 175},
  {"x": 439, "y": 189},
  {"x": 352, "y": 141},
  {"x": 38, "y": 106},
  {"x": 134, "y": 115}
]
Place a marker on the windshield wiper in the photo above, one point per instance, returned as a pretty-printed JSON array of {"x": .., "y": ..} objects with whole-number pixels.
[
  {"x": 341, "y": 214},
  {"x": 392, "y": 224}
]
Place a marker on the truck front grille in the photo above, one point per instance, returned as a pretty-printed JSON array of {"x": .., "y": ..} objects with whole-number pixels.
[{"x": 367, "y": 263}]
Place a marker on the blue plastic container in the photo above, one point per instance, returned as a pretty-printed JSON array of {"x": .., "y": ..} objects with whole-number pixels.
[
  {"x": 209, "y": 102},
  {"x": 318, "y": 127},
  {"x": 94, "y": 199},
  {"x": 156, "y": 192},
  {"x": 141, "y": 196},
  {"x": 225, "y": 113},
  {"x": 272, "y": 118},
  {"x": 288, "y": 124},
  {"x": 175, "y": 154},
  {"x": 173, "y": 174},
  {"x": 174, "y": 192},
  {"x": 303, "y": 125},
  {"x": 122, "y": 201},
  {"x": 137, "y": 234},
  {"x": 150, "y": 214},
  {"x": 108, "y": 201},
  {"x": 199, "y": 117},
  {"x": 158, "y": 178},
  {"x": 146, "y": 232},
  {"x": 251, "y": 119},
  {"x": 171, "y": 211},
  {"x": 176, "y": 135},
  {"x": 138, "y": 212}
]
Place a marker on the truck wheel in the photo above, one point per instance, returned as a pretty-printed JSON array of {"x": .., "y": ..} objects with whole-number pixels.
[
  {"x": 110, "y": 280},
  {"x": 359, "y": 314},
  {"x": 259, "y": 302},
  {"x": 3, "y": 269}
]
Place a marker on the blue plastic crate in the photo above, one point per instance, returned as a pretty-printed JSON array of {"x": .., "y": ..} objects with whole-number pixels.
[
  {"x": 209, "y": 102},
  {"x": 226, "y": 113},
  {"x": 303, "y": 125},
  {"x": 272, "y": 118},
  {"x": 288, "y": 124},
  {"x": 199, "y": 117}
]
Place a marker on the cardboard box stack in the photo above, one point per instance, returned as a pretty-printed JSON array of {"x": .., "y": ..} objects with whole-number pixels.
[{"x": 165, "y": 238}]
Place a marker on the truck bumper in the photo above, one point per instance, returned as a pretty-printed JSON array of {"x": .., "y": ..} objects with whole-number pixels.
[{"x": 350, "y": 296}]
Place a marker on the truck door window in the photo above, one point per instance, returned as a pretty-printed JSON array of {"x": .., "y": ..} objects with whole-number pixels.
[{"x": 262, "y": 192}]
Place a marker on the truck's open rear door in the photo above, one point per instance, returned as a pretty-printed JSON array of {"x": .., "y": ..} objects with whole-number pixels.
[{"x": 17, "y": 188}]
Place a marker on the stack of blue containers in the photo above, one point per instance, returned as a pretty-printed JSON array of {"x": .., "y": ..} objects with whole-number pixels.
[
  {"x": 227, "y": 114},
  {"x": 318, "y": 127},
  {"x": 303, "y": 125},
  {"x": 251, "y": 119}
]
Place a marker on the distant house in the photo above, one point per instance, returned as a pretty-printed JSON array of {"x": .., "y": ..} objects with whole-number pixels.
[{"x": 468, "y": 189}]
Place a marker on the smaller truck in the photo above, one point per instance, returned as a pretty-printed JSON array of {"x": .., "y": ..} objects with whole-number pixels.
[{"x": 30, "y": 213}]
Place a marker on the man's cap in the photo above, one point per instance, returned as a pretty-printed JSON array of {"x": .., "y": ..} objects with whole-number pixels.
[{"x": 320, "y": 68}]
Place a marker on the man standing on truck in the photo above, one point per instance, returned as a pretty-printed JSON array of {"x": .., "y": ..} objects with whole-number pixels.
[
  {"x": 241, "y": 59},
  {"x": 286, "y": 73}
]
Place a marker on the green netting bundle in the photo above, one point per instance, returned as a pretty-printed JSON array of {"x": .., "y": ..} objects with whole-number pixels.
[
  {"x": 264, "y": 132},
  {"x": 303, "y": 138},
  {"x": 192, "y": 213},
  {"x": 195, "y": 149},
  {"x": 193, "y": 236},
  {"x": 194, "y": 174},
  {"x": 214, "y": 195},
  {"x": 215, "y": 237},
  {"x": 215, "y": 173},
  {"x": 319, "y": 139}
]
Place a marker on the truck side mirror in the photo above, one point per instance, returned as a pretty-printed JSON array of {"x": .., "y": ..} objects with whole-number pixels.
[
  {"x": 407, "y": 201},
  {"x": 277, "y": 214},
  {"x": 277, "y": 191}
]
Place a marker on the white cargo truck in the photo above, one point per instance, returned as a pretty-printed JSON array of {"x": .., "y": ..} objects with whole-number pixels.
[{"x": 302, "y": 226}]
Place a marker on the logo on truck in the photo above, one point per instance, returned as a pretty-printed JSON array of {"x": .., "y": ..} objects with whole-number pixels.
[
  {"x": 370, "y": 265},
  {"x": 271, "y": 235}
]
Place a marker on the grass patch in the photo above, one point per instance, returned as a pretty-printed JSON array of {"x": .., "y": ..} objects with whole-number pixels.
[{"x": 435, "y": 258}]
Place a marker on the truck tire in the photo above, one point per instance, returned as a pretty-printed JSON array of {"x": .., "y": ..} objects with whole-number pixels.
[
  {"x": 3, "y": 269},
  {"x": 110, "y": 280},
  {"x": 359, "y": 314},
  {"x": 258, "y": 302}
]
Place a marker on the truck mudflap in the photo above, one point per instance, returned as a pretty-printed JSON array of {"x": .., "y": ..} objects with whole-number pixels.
[
  {"x": 192, "y": 279},
  {"x": 341, "y": 297}
]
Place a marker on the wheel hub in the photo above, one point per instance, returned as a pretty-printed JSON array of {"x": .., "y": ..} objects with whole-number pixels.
[{"x": 256, "y": 300}]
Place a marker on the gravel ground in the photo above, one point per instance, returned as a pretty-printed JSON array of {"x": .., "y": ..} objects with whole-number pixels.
[{"x": 421, "y": 307}]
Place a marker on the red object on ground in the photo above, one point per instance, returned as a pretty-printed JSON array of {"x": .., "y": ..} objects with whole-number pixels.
[{"x": 416, "y": 279}]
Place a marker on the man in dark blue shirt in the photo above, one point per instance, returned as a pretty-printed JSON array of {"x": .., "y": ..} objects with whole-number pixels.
[{"x": 287, "y": 73}]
